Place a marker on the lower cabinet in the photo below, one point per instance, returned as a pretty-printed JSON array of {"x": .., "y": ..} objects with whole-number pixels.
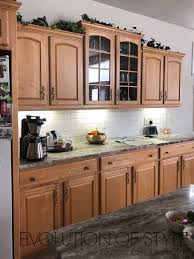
[
  {"x": 116, "y": 190},
  {"x": 145, "y": 181},
  {"x": 170, "y": 174},
  {"x": 80, "y": 199},
  {"x": 187, "y": 176},
  {"x": 40, "y": 213}
]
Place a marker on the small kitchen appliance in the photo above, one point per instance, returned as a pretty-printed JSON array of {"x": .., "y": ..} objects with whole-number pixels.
[
  {"x": 32, "y": 145},
  {"x": 151, "y": 130},
  {"x": 57, "y": 144}
]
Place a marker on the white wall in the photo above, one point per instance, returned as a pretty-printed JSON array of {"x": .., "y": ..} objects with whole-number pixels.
[{"x": 126, "y": 122}]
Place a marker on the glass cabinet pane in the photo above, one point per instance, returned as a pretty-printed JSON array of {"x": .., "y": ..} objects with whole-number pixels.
[
  {"x": 133, "y": 64},
  {"x": 94, "y": 59},
  {"x": 105, "y": 61},
  {"x": 132, "y": 93},
  {"x": 93, "y": 93},
  {"x": 94, "y": 42},
  {"x": 105, "y": 77},
  {"x": 124, "y": 61},
  {"x": 124, "y": 93},
  {"x": 93, "y": 76},
  {"x": 133, "y": 49},
  {"x": 124, "y": 48},
  {"x": 105, "y": 44},
  {"x": 124, "y": 78},
  {"x": 104, "y": 94},
  {"x": 133, "y": 79}
]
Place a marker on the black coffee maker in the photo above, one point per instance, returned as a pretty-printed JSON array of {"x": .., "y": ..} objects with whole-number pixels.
[{"x": 32, "y": 145}]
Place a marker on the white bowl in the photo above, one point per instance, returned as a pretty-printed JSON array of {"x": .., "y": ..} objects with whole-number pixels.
[
  {"x": 188, "y": 232},
  {"x": 173, "y": 226}
]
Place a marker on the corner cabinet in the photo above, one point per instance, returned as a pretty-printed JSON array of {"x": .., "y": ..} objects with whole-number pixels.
[
  {"x": 66, "y": 70},
  {"x": 33, "y": 76},
  {"x": 161, "y": 77},
  {"x": 99, "y": 65},
  {"x": 4, "y": 27},
  {"x": 128, "y": 68}
]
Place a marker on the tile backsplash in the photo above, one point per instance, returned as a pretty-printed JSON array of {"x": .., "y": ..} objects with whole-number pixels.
[{"x": 115, "y": 123}]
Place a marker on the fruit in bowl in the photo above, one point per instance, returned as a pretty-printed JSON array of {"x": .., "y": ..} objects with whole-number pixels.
[
  {"x": 96, "y": 137},
  {"x": 177, "y": 220}
]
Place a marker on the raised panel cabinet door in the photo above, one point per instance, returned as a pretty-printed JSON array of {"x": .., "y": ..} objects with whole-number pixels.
[
  {"x": 33, "y": 78},
  {"x": 80, "y": 199},
  {"x": 153, "y": 78},
  {"x": 40, "y": 213},
  {"x": 145, "y": 181},
  {"x": 66, "y": 70},
  {"x": 187, "y": 176},
  {"x": 170, "y": 174},
  {"x": 4, "y": 27},
  {"x": 115, "y": 190},
  {"x": 172, "y": 93},
  {"x": 128, "y": 69}
]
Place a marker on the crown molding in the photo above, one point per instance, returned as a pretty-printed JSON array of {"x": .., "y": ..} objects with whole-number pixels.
[{"x": 10, "y": 4}]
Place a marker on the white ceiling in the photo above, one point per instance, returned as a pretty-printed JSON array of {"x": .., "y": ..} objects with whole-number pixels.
[{"x": 180, "y": 12}]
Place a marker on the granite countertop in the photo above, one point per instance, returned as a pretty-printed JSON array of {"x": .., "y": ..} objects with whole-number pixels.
[
  {"x": 5, "y": 132},
  {"x": 137, "y": 231},
  {"x": 83, "y": 150}
]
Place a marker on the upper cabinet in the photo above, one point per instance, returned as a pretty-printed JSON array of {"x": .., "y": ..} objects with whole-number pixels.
[
  {"x": 172, "y": 86},
  {"x": 66, "y": 70},
  {"x": 4, "y": 27},
  {"x": 128, "y": 68},
  {"x": 161, "y": 78},
  {"x": 33, "y": 77},
  {"x": 99, "y": 65},
  {"x": 50, "y": 67}
]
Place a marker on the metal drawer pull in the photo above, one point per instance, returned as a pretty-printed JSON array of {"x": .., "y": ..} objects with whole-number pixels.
[
  {"x": 166, "y": 152},
  {"x": 135, "y": 176},
  {"x": 86, "y": 168},
  {"x": 32, "y": 179},
  {"x": 42, "y": 93},
  {"x": 110, "y": 163},
  {"x": 128, "y": 177},
  {"x": 150, "y": 155},
  {"x": 184, "y": 164}
]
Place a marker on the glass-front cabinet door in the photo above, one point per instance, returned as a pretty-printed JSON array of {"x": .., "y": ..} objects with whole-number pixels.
[
  {"x": 128, "y": 70},
  {"x": 99, "y": 67}
]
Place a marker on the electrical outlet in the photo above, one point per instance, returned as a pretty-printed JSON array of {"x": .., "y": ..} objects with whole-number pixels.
[{"x": 147, "y": 120}]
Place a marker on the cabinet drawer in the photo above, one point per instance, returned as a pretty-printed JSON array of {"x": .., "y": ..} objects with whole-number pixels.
[
  {"x": 129, "y": 159},
  {"x": 58, "y": 173},
  {"x": 176, "y": 150}
]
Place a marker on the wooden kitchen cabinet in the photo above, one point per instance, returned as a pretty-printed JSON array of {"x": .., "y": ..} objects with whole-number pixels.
[
  {"x": 40, "y": 213},
  {"x": 116, "y": 190},
  {"x": 66, "y": 69},
  {"x": 99, "y": 64},
  {"x": 32, "y": 60},
  {"x": 172, "y": 86},
  {"x": 161, "y": 77},
  {"x": 187, "y": 176},
  {"x": 152, "y": 77},
  {"x": 170, "y": 174},
  {"x": 128, "y": 68},
  {"x": 145, "y": 181},
  {"x": 80, "y": 199},
  {"x": 4, "y": 27}
]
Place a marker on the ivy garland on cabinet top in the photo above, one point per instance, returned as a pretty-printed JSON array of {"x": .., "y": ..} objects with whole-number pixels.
[{"x": 77, "y": 27}]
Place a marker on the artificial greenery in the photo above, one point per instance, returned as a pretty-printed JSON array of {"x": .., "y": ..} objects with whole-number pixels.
[
  {"x": 40, "y": 21},
  {"x": 86, "y": 18},
  {"x": 68, "y": 26},
  {"x": 152, "y": 43}
]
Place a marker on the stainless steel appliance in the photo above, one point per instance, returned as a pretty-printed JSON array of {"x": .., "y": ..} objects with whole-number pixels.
[
  {"x": 32, "y": 145},
  {"x": 150, "y": 130}
]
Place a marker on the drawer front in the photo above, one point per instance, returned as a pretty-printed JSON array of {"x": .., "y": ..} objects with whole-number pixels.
[
  {"x": 129, "y": 159},
  {"x": 58, "y": 173},
  {"x": 176, "y": 150}
]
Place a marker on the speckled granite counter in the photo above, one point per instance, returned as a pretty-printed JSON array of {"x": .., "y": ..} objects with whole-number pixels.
[
  {"x": 137, "y": 231},
  {"x": 85, "y": 151},
  {"x": 5, "y": 132}
]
